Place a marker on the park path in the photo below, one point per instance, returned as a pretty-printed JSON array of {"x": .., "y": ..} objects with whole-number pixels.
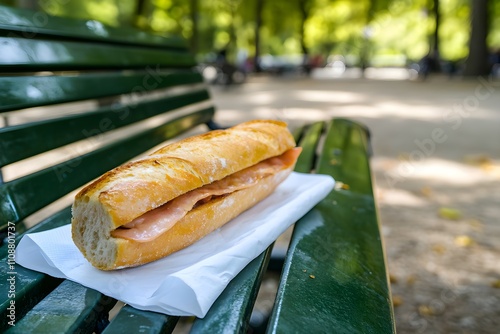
[{"x": 437, "y": 178}]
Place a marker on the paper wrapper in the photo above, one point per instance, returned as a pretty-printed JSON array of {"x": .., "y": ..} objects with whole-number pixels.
[{"x": 189, "y": 281}]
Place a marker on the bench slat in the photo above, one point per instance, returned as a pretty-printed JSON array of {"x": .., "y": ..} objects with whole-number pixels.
[
  {"x": 30, "y": 288},
  {"x": 23, "y": 141},
  {"x": 132, "y": 320},
  {"x": 65, "y": 177},
  {"x": 308, "y": 142},
  {"x": 58, "y": 219},
  {"x": 32, "y": 55},
  {"x": 70, "y": 308},
  {"x": 342, "y": 285},
  {"x": 18, "y": 92},
  {"x": 19, "y": 22},
  {"x": 231, "y": 311}
]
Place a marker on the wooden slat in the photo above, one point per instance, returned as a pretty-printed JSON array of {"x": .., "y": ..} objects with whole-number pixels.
[
  {"x": 309, "y": 141},
  {"x": 30, "y": 288},
  {"x": 335, "y": 279},
  {"x": 70, "y": 308},
  {"x": 37, "y": 55},
  {"x": 131, "y": 320},
  {"x": 29, "y": 24},
  {"x": 23, "y": 141},
  {"x": 18, "y": 92},
  {"x": 231, "y": 311},
  {"x": 24, "y": 195},
  {"x": 58, "y": 219}
]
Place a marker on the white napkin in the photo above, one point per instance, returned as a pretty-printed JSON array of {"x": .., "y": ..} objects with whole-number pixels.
[{"x": 189, "y": 281}]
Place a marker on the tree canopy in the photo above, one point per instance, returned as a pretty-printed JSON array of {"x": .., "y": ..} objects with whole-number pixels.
[{"x": 382, "y": 31}]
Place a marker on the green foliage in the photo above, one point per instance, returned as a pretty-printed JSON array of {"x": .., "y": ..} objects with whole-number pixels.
[
  {"x": 111, "y": 12},
  {"x": 361, "y": 28}
]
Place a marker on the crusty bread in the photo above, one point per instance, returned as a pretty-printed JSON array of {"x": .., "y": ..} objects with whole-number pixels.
[
  {"x": 128, "y": 191},
  {"x": 113, "y": 253}
]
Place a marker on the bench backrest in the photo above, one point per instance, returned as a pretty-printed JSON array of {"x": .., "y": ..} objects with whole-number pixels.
[{"x": 89, "y": 80}]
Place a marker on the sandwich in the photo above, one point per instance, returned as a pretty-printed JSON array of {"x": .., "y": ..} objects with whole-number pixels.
[{"x": 149, "y": 208}]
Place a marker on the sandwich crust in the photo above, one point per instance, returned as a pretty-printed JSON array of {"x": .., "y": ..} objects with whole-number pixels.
[
  {"x": 128, "y": 191},
  {"x": 195, "y": 225},
  {"x": 134, "y": 188}
]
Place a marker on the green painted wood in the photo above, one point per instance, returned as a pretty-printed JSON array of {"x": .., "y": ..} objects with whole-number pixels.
[
  {"x": 30, "y": 24},
  {"x": 58, "y": 219},
  {"x": 18, "y": 92},
  {"x": 23, "y": 141},
  {"x": 334, "y": 279},
  {"x": 34, "y": 54},
  {"x": 131, "y": 320},
  {"x": 231, "y": 311},
  {"x": 70, "y": 308},
  {"x": 23, "y": 198},
  {"x": 30, "y": 288},
  {"x": 297, "y": 133},
  {"x": 308, "y": 142}
]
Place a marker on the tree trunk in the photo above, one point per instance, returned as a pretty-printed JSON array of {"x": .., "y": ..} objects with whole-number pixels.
[
  {"x": 138, "y": 13},
  {"x": 194, "y": 20},
  {"x": 258, "y": 25},
  {"x": 367, "y": 34},
  {"x": 304, "y": 9},
  {"x": 477, "y": 63},
  {"x": 434, "y": 49},
  {"x": 304, "y": 14}
]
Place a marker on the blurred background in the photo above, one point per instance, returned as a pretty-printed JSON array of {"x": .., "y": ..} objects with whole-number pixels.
[
  {"x": 423, "y": 75},
  {"x": 451, "y": 36}
]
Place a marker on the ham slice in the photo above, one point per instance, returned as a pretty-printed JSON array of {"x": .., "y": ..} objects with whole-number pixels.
[{"x": 155, "y": 222}]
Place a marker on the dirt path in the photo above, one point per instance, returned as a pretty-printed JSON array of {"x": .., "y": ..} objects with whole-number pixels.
[{"x": 437, "y": 170}]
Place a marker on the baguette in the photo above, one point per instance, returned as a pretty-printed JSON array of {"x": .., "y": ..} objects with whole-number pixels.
[{"x": 106, "y": 211}]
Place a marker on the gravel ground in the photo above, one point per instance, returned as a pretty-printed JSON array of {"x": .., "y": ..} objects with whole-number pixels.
[{"x": 437, "y": 178}]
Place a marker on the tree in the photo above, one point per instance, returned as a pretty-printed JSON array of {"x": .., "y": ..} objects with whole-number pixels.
[
  {"x": 194, "y": 12},
  {"x": 477, "y": 62},
  {"x": 304, "y": 11},
  {"x": 434, "y": 45},
  {"x": 258, "y": 24}
]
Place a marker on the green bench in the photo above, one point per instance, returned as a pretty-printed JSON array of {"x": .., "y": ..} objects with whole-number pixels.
[{"x": 333, "y": 278}]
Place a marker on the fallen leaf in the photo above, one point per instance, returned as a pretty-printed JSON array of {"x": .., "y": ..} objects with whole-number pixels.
[
  {"x": 397, "y": 300},
  {"x": 393, "y": 279},
  {"x": 341, "y": 185},
  {"x": 480, "y": 160},
  {"x": 426, "y": 192},
  {"x": 449, "y": 213},
  {"x": 404, "y": 156},
  {"x": 425, "y": 310},
  {"x": 410, "y": 280},
  {"x": 475, "y": 224},
  {"x": 496, "y": 284},
  {"x": 464, "y": 241},
  {"x": 439, "y": 249}
]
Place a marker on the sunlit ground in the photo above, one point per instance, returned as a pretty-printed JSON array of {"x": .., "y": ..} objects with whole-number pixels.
[{"x": 437, "y": 169}]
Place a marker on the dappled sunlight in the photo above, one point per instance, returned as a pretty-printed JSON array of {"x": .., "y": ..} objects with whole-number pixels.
[
  {"x": 387, "y": 73},
  {"x": 388, "y": 109},
  {"x": 393, "y": 196},
  {"x": 293, "y": 116},
  {"x": 437, "y": 171},
  {"x": 260, "y": 98},
  {"x": 329, "y": 96}
]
